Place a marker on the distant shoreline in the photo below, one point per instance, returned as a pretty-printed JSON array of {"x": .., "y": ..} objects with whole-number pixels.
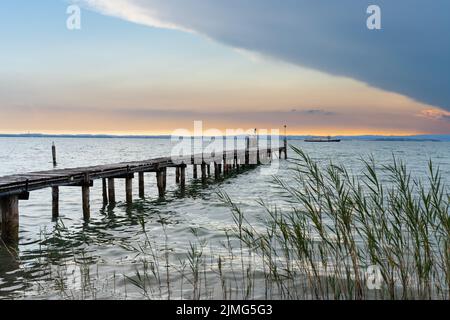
[{"x": 416, "y": 138}]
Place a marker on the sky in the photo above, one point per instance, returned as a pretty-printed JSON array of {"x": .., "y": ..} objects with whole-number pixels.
[{"x": 154, "y": 66}]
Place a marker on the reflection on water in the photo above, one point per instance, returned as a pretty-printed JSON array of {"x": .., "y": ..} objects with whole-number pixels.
[{"x": 100, "y": 259}]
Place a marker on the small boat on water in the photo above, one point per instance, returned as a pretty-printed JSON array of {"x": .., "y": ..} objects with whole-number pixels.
[{"x": 322, "y": 139}]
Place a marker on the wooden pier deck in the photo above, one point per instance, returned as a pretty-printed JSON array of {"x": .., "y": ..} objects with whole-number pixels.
[{"x": 17, "y": 187}]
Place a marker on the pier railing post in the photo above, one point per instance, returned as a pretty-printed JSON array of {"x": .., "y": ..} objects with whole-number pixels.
[
  {"x": 9, "y": 210},
  {"x": 55, "y": 203}
]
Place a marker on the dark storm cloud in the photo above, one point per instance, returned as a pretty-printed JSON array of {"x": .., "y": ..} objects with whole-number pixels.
[{"x": 410, "y": 55}]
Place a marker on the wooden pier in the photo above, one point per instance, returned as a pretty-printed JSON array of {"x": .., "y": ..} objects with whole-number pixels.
[{"x": 17, "y": 187}]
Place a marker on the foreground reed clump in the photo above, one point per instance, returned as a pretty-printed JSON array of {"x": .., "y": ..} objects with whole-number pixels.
[{"x": 352, "y": 236}]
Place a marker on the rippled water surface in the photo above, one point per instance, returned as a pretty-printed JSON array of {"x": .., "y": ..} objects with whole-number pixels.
[{"x": 58, "y": 259}]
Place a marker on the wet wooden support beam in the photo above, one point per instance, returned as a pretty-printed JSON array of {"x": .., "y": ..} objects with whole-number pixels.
[
  {"x": 129, "y": 189},
  {"x": 183, "y": 176},
  {"x": 208, "y": 169},
  {"x": 285, "y": 149},
  {"x": 247, "y": 151},
  {"x": 9, "y": 210},
  {"x": 203, "y": 168},
  {"x": 195, "y": 171},
  {"x": 85, "y": 194},
  {"x": 55, "y": 203},
  {"x": 105, "y": 192},
  {"x": 177, "y": 175},
  {"x": 141, "y": 185},
  {"x": 160, "y": 182},
  {"x": 217, "y": 170},
  {"x": 165, "y": 178},
  {"x": 111, "y": 191}
]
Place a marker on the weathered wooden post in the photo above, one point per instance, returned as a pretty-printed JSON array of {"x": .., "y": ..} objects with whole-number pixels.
[
  {"x": 285, "y": 142},
  {"x": 216, "y": 171},
  {"x": 225, "y": 167},
  {"x": 208, "y": 168},
  {"x": 55, "y": 203},
  {"x": 177, "y": 175},
  {"x": 129, "y": 188},
  {"x": 247, "y": 150},
  {"x": 165, "y": 178},
  {"x": 141, "y": 185},
  {"x": 269, "y": 148},
  {"x": 195, "y": 171},
  {"x": 104, "y": 192},
  {"x": 203, "y": 167},
  {"x": 258, "y": 158},
  {"x": 9, "y": 210},
  {"x": 160, "y": 182},
  {"x": 235, "y": 164},
  {"x": 183, "y": 176},
  {"x": 111, "y": 191},
  {"x": 85, "y": 191},
  {"x": 54, "y": 154}
]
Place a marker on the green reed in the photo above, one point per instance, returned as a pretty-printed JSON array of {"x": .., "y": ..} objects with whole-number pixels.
[{"x": 339, "y": 224}]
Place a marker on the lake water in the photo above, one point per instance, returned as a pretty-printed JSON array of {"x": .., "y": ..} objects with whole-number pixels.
[{"x": 99, "y": 259}]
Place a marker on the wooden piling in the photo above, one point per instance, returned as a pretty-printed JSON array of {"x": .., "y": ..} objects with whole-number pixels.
[
  {"x": 285, "y": 148},
  {"x": 208, "y": 169},
  {"x": 216, "y": 171},
  {"x": 111, "y": 191},
  {"x": 247, "y": 151},
  {"x": 177, "y": 175},
  {"x": 54, "y": 154},
  {"x": 285, "y": 142},
  {"x": 141, "y": 185},
  {"x": 183, "y": 176},
  {"x": 165, "y": 179},
  {"x": 160, "y": 182},
  {"x": 129, "y": 189},
  {"x": 55, "y": 203},
  {"x": 195, "y": 171},
  {"x": 9, "y": 210},
  {"x": 203, "y": 168},
  {"x": 104, "y": 192},
  {"x": 85, "y": 192}
]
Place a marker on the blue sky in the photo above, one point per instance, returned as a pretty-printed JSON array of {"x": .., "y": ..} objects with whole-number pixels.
[{"x": 154, "y": 66}]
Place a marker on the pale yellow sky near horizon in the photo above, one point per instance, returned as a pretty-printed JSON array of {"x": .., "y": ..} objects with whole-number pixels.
[{"x": 106, "y": 79}]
